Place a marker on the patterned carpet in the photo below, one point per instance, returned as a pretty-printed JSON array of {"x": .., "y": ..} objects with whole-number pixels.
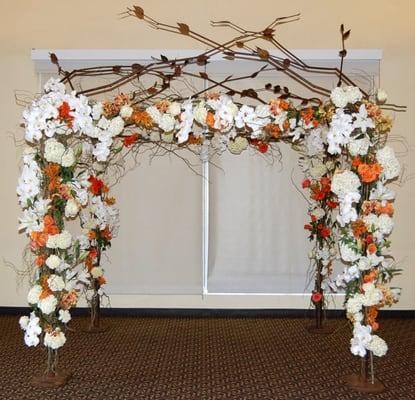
[{"x": 206, "y": 358}]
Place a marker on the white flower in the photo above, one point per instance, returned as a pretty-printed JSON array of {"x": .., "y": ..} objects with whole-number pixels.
[
  {"x": 238, "y": 145},
  {"x": 97, "y": 272},
  {"x": 339, "y": 133},
  {"x": 338, "y": 97},
  {"x": 318, "y": 212},
  {"x": 32, "y": 329},
  {"x": 378, "y": 346},
  {"x": 361, "y": 338},
  {"x": 48, "y": 304},
  {"x": 358, "y": 147},
  {"x": 126, "y": 111},
  {"x": 53, "y": 261},
  {"x": 102, "y": 150},
  {"x": 154, "y": 113},
  {"x": 68, "y": 158},
  {"x": 345, "y": 182},
  {"x": 167, "y": 123},
  {"x": 97, "y": 111},
  {"x": 354, "y": 304},
  {"x": 225, "y": 114},
  {"x": 200, "y": 113},
  {"x": 381, "y": 96},
  {"x": 364, "y": 264},
  {"x": 56, "y": 283},
  {"x": 71, "y": 208},
  {"x": 314, "y": 142},
  {"x": 55, "y": 339},
  {"x": 186, "y": 122},
  {"x": 352, "y": 273},
  {"x": 54, "y": 151},
  {"x": 381, "y": 192},
  {"x": 64, "y": 316},
  {"x": 361, "y": 120},
  {"x": 62, "y": 241},
  {"x": 24, "y": 322},
  {"x": 347, "y": 253},
  {"x": 386, "y": 157},
  {"x": 385, "y": 224},
  {"x": 54, "y": 85},
  {"x": 372, "y": 295},
  {"x": 116, "y": 126},
  {"x": 29, "y": 181},
  {"x": 353, "y": 93},
  {"x": 174, "y": 108},
  {"x": 34, "y": 294}
]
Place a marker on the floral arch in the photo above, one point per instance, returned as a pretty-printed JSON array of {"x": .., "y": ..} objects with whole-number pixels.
[{"x": 74, "y": 142}]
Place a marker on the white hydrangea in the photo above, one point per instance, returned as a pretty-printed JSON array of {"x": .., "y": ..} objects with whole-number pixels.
[
  {"x": 378, "y": 346},
  {"x": 68, "y": 158},
  {"x": 54, "y": 151},
  {"x": 354, "y": 304},
  {"x": 385, "y": 224},
  {"x": 345, "y": 182},
  {"x": 53, "y": 261},
  {"x": 62, "y": 241},
  {"x": 55, "y": 283},
  {"x": 48, "y": 304},
  {"x": 54, "y": 339},
  {"x": 391, "y": 167},
  {"x": 372, "y": 295},
  {"x": 341, "y": 96}
]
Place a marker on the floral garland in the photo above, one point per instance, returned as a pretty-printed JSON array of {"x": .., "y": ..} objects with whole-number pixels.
[{"x": 73, "y": 142}]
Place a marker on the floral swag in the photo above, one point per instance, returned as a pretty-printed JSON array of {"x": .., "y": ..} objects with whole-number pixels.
[{"x": 72, "y": 143}]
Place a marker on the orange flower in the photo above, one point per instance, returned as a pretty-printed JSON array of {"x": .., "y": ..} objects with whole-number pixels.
[
  {"x": 49, "y": 225},
  {"x": 106, "y": 234},
  {"x": 369, "y": 172},
  {"x": 273, "y": 130},
  {"x": 356, "y": 161},
  {"x": 69, "y": 299},
  {"x": 372, "y": 248},
  {"x": 110, "y": 201},
  {"x": 359, "y": 228},
  {"x": 64, "y": 114},
  {"x": 370, "y": 277},
  {"x": 142, "y": 119},
  {"x": 39, "y": 238},
  {"x": 101, "y": 280},
  {"x": 384, "y": 209},
  {"x": 210, "y": 119},
  {"x": 52, "y": 172},
  {"x": 194, "y": 140},
  {"x": 40, "y": 260},
  {"x": 367, "y": 207},
  {"x": 45, "y": 288},
  {"x": 131, "y": 139},
  {"x": 97, "y": 186}
]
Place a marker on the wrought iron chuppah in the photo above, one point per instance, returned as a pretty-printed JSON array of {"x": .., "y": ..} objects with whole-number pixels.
[{"x": 296, "y": 125}]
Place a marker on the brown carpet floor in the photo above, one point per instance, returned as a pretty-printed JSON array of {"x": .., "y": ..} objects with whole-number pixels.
[{"x": 206, "y": 358}]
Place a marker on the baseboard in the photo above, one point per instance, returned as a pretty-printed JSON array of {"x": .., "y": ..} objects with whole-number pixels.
[{"x": 211, "y": 312}]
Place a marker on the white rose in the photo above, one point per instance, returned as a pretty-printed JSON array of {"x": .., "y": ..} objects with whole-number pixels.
[
  {"x": 56, "y": 283},
  {"x": 48, "y": 304},
  {"x": 71, "y": 208},
  {"x": 53, "y": 261},
  {"x": 34, "y": 294},
  {"x": 126, "y": 112}
]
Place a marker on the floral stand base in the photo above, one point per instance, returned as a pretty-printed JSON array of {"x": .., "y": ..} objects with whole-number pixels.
[
  {"x": 96, "y": 329},
  {"x": 52, "y": 379},
  {"x": 359, "y": 383}
]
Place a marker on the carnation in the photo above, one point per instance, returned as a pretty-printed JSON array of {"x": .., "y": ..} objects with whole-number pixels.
[
  {"x": 53, "y": 261},
  {"x": 71, "y": 208},
  {"x": 345, "y": 182},
  {"x": 55, "y": 283},
  {"x": 377, "y": 346},
  {"x": 48, "y": 304},
  {"x": 34, "y": 294},
  {"x": 54, "y": 339},
  {"x": 386, "y": 157}
]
